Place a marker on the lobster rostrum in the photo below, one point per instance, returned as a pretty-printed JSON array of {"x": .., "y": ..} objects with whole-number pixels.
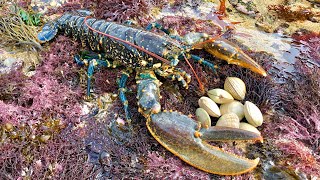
[{"x": 139, "y": 50}]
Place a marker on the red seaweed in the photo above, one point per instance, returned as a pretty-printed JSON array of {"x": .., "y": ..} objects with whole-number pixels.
[
  {"x": 120, "y": 10},
  {"x": 295, "y": 127},
  {"x": 172, "y": 168},
  {"x": 290, "y": 14}
]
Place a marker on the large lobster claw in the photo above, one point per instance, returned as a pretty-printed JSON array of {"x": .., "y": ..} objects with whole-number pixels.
[{"x": 178, "y": 133}]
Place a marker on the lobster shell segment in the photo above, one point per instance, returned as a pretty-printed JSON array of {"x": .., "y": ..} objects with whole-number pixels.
[{"x": 177, "y": 132}]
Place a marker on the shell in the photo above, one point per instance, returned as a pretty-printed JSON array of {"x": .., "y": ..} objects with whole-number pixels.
[
  {"x": 253, "y": 114},
  {"x": 234, "y": 107},
  {"x": 249, "y": 127},
  {"x": 229, "y": 120},
  {"x": 8, "y": 126},
  {"x": 220, "y": 96},
  {"x": 235, "y": 87},
  {"x": 44, "y": 138},
  {"x": 203, "y": 117},
  {"x": 210, "y": 106}
]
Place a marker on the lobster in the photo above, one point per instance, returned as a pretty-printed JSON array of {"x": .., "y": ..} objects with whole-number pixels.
[{"x": 151, "y": 55}]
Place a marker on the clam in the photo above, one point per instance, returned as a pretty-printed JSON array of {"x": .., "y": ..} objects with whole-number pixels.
[
  {"x": 229, "y": 120},
  {"x": 235, "y": 87},
  {"x": 248, "y": 127},
  {"x": 44, "y": 138},
  {"x": 203, "y": 117},
  {"x": 220, "y": 96},
  {"x": 234, "y": 107},
  {"x": 252, "y": 114},
  {"x": 210, "y": 106},
  {"x": 8, "y": 126}
]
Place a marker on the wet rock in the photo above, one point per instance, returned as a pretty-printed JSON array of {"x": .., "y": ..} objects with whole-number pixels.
[
  {"x": 267, "y": 23},
  {"x": 9, "y": 64},
  {"x": 275, "y": 172},
  {"x": 245, "y": 6}
]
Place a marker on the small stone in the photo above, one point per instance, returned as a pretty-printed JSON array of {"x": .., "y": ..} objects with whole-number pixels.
[
  {"x": 9, "y": 62},
  {"x": 8, "y": 126},
  {"x": 53, "y": 3},
  {"x": 44, "y": 138}
]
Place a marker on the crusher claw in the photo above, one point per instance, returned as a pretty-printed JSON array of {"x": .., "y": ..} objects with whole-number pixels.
[{"x": 181, "y": 135}]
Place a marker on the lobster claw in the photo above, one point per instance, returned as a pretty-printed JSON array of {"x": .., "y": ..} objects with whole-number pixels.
[
  {"x": 230, "y": 52},
  {"x": 48, "y": 32},
  {"x": 178, "y": 133}
]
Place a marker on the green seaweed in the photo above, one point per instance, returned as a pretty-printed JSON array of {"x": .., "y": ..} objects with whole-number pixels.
[{"x": 31, "y": 19}]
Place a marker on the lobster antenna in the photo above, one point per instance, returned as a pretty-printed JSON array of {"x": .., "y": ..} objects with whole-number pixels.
[
  {"x": 195, "y": 74},
  {"x": 127, "y": 42}
]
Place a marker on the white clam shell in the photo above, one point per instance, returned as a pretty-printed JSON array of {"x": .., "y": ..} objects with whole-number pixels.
[
  {"x": 44, "y": 138},
  {"x": 203, "y": 117},
  {"x": 234, "y": 107},
  {"x": 8, "y": 126},
  {"x": 249, "y": 127},
  {"x": 253, "y": 114},
  {"x": 220, "y": 96},
  {"x": 229, "y": 120},
  {"x": 235, "y": 87},
  {"x": 210, "y": 106}
]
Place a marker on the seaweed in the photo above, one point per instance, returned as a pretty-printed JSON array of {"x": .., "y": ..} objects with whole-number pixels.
[
  {"x": 30, "y": 18},
  {"x": 120, "y": 10},
  {"x": 183, "y": 25},
  {"x": 290, "y": 14},
  {"x": 11, "y": 86},
  {"x": 14, "y": 29},
  {"x": 172, "y": 168},
  {"x": 309, "y": 45},
  {"x": 295, "y": 126},
  {"x": 40, "y": 116},
  {"x": 30, "y": 158}
]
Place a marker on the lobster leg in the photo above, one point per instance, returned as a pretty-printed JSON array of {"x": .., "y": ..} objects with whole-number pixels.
[
  {"x": 184, "y": 74},
  {"x": 148, "y": 93},
  {"x": 122, "y": 90},
  {"x": 87, "y": 59},
  {"x": 203, "y": 62},
  {"x": 174, "y": 75}
]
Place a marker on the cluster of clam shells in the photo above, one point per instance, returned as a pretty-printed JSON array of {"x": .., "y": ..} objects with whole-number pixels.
[{"x": 231, "y": 110}]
